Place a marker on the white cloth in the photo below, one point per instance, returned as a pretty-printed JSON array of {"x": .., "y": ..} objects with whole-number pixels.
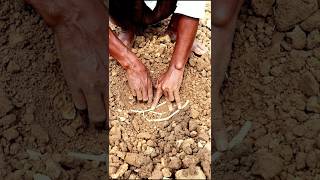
[{"x": 195, "y": 9}]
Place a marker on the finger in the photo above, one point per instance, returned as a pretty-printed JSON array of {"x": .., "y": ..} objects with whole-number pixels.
[
  {"x": 79, "y": 99},
  {"x": 133, "y": 92},
  {"x": 150, "y": 92},
  {"x": 170, "y": 96},
  {"x": 145, "y": 93},
  {"x": 177, "y": 98},
  {"x": 139, "y": 94},
  {"x": 166, "y": 95},
  {"x": 157, "y": 98},
  {"x": 96, "y": 108}
]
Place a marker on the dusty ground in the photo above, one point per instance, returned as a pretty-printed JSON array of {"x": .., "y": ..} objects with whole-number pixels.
[
  {"x": 273, "y": 81},
  {"x": 36, "y": 113},
  {"x": 142, "y": 149}
]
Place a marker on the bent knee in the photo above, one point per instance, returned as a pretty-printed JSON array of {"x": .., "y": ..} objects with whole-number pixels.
[
  {"x": 221, "y": 18},
  {"x": 225, "y": 10}
]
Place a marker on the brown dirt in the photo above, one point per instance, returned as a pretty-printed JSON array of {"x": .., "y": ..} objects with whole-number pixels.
[
  {"x": 273, "y": 81},
  {"x": 36, "y": 112},
  {"x": 141, "y": 149}
]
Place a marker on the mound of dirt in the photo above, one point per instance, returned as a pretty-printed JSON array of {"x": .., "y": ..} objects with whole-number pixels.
[
  {"x": 142, "y": 149},
  {"x": 38, "y": 122},
  {"x": 274, "y": 82}
]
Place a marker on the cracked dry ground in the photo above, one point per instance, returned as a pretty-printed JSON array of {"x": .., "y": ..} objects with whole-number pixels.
[
  {"x": 174, "y": 148},
  {"x": 273, "y": 81}
]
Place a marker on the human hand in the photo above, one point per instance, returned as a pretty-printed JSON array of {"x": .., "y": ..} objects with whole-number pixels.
[
  {"x": 140, "y": 82},
  {"x": 80, "y": 35},
  {"x": 168, "y": 84}
]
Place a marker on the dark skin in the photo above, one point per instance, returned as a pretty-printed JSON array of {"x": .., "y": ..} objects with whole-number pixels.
[
  {"x": 169, "y": 83},
  {"x": 80, "y": 27},
  {"x": 225, "y": 16}
]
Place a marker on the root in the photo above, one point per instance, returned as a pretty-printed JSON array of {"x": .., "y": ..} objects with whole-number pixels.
[
  {"x": 170, "y": 116},
  {"x": 235, "y": 141},
  {"x": 151, "y": 110}
]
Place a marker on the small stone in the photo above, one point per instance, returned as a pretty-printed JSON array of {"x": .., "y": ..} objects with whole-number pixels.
[
  {"x": 187, "y": 174},
  {"x": 313, "y": 104},
  {"x": 13, "y": 67},
  {"x": 193, "y": 133},
  {"x": 69, "y": 131},
  {"x": 34, "y": 155},
  {"x": 190, "y": 160},
  {"x": 11, "y": 134},
  {"x": 122, "y": 169},
  {"x": 313, "y": 39},
  {"x": 68, "y": 112},
  {"x": 311, "y": 160},
  {"x": 194, "y": 113},
  {"x": 268, "y": 165},
  {"x": 166, "y": 172},
  {"x": 301, "y": 160},
  {"x": 312, "y": 22},
  {"x": 5, "y": 105},
  {"x": 8, "y": 120},
  {"x": 298, "y": 38},
  {"x": 144, "y": 135},
  {"x": 262, "y": 7},
  {"x": 136, "y": 159},
  {"x": 39, "y": 133},
  {"x": 299, "y": 130},
  {"x": 175, "y": 163},
  {"x": 53, "y": 169},
  {"x": 309, "y": 85}
]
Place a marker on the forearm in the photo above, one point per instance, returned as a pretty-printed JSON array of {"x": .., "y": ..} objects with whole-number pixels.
[
  {"x": 120, "y": 52},
  {"x": 186, "y": 33}
]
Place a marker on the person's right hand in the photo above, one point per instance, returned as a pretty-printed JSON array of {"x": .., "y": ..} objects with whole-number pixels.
[
  {"x": 140, "y": 82},
  {"x": 80, "y": 27}
]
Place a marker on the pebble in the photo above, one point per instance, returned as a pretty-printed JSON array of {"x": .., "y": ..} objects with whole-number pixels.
[
  {"x": 13, "y": 67},
  {"x": 309, "y": 85},
  {"x": 39, "y": 133},
  {"x": 166, "y": 172},
  {"x": 185, "y": 174},
  {"x": 194, "y": 113},
  {"x": 268, "y": 165},
  {"x": 5, "y": 105},
  {"x": 11, "y": 134},
  {"x": 8, "y": 120},
  {"x": 53, "y": 169},
  {"x": 313, "y": 104},
  {"x": 69, "y": 131}
]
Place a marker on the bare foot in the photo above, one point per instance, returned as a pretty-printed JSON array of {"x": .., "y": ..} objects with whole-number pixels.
[
  {"x": 127, "y": 37},
  {"x": 198, "y": 48}
]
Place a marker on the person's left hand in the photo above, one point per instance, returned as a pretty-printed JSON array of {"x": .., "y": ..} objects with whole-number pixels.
[{"x": 168, "y": 84}]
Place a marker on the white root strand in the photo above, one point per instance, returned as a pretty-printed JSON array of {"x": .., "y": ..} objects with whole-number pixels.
[
  {"x": 170, "y": 116},
  {"x": 149, "y": 110}
]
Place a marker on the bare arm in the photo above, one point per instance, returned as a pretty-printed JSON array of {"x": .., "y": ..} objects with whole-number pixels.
[
  {"x": 138, "y": 76},
  {"x": 169, "y": 83}
]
